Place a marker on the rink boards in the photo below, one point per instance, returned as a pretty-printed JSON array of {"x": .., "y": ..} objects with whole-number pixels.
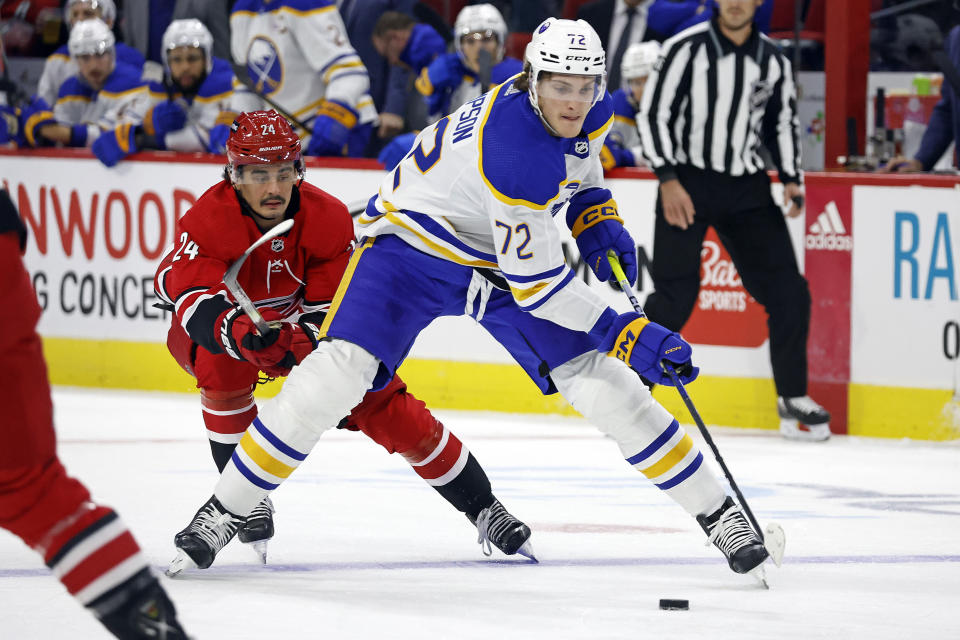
[{"x": 880, "y": 255}]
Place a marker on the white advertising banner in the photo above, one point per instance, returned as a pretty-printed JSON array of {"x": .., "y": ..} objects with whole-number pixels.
[
  {"x": 905, "y": 310},
  {"x": 97, "y": 234}
]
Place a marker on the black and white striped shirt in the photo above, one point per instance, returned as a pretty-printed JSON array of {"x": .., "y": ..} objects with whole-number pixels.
[{"x": 711, "y": 104}]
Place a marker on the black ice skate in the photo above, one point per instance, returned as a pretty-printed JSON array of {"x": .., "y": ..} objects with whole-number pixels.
[
  {"x": 139, "y": 608},
  {"x": 729, "y": 530},
  {"x": 258, "y": 528},
  {"x": 495, "y": 526},
  {"x": 802, "y": 418},
  {"x": 197, "y": 545}
]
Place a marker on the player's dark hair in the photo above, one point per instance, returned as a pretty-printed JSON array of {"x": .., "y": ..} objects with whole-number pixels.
[{"x": 392, "y": 21}]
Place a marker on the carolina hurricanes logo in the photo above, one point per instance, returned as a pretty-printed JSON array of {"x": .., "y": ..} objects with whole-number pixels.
[{"x": 263, "y": 64}]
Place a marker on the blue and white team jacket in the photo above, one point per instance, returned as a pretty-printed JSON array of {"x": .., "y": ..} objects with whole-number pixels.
[
  {"x": 214, "y": 103},
  {"x": 297, "y": 53},
  {"x": 60, "y": 66},
  {"x": 124, "y": 99},
  {"x": 624, "y": 131},
  {"x": 481, "y": 187}
]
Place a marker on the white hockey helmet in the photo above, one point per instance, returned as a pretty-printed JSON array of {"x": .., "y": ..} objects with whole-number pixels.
[
  {"x": 187, "y": 33},
  {"x": 566, "y": 47},
  {"x": 638, "y": 60},
  {"x": 90, "y": 37},
  {"x": 108, "y": 10},
  {"x": 480, "y": 18}
]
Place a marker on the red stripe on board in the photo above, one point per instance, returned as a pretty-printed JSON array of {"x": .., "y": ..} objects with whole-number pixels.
[{"x": 100, "y": 562}]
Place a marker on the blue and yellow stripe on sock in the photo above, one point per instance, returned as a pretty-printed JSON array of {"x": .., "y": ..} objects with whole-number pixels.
[
  {"x": 263, "y": 458},
  {"x": 670, "y": 459}
]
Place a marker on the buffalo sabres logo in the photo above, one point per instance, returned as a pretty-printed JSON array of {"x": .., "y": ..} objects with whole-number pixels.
[
  {"x": 264, "y": 65},
  {"x": 277, "y": 244},
  {"x": 582, "y": 146},
  {"x": 760, "y": 92}
]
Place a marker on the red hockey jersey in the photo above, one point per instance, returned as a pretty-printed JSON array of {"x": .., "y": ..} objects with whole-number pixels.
[{"x": 294, "y": 273}]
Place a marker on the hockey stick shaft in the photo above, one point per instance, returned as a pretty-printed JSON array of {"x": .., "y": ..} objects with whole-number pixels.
[
  {"x": 628, "y": 290},
  {"x": 230, "y": 277},
  {"x": 240, "y": 72}
]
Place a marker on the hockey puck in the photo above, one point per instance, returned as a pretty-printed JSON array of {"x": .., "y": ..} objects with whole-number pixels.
[{"x": 674, "y": 605}]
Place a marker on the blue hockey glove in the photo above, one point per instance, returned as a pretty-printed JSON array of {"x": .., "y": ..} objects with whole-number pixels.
[
  {"x": 424, "y": 45},
  {"x": 391, "y": 155},
  {"x": 615, "y": 154},
  {"x": 33, "y": 116},
  {"x": 162, "y": 118},
  {"x": 113, "y": 145},
  {"x": 218, "y": 138},
  {"x": 446, "y": 72},
  {"x": 9, "y": 124},
  {"x": 330, "y": 129},
  {"x": 595, "y": 225},
  {"x": 643, "y": 344}
]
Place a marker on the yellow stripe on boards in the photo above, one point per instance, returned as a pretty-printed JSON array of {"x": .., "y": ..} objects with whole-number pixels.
[
  {"x": 670, "y": 460},
  {"x": 902, "y": 412},
  {"x": 263, "y": 459}
]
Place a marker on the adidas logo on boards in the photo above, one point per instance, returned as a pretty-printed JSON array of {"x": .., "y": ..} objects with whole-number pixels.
[{"x": 828, "y": 232}]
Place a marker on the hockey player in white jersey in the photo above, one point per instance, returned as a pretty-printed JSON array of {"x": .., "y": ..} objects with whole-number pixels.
[
  {"x": 60, "y": 65},
  {"x": 297, "y": 54},
  {"x": 458, "y": 77},
  {"x": 464, "y": 226},
  {"x": 622, "y": 148},
  {"x": 193, "y": 108},
  {"x": 100, "y": 107}
]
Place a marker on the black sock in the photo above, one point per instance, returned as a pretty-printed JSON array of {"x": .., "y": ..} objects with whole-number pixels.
[
  {"x": 221, "y": 453},
  {"x": 470, "y": 491}
]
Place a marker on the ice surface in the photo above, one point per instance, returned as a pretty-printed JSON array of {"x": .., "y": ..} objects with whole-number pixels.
[{"x": 365, "y": 549}]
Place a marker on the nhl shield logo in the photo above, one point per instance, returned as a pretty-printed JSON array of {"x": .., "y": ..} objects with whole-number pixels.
[
  {"x": 277, "y": 244},
  {"x": 582, "y": 147}
]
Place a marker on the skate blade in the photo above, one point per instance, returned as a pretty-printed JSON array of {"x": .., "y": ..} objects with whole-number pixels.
[
  {"x": 181, "y": 562},
  {"x": 526, "y": 550},
  {"x": 791, "y": 430},
  {"x": 775, "y": 542},
  {"x": 260, "y": 548},
  {"x": 760, "y": 575}
]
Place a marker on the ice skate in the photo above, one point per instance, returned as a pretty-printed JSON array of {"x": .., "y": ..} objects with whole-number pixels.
[
  {"x": 802, "y": 418},
  {"x": 258, "y": 529},
  {"x": 146, "y": 612},
  {"x": 729, "y": 530},
  {"x": 496, "y": 527},
  {"x": 197, "y": 545}
]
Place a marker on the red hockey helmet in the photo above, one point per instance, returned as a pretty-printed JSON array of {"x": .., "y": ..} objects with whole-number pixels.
[{"x": 262, "y": 137}]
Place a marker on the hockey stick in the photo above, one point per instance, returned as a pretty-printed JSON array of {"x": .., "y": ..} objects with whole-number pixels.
[
  {"x": 240, "y": 72},
  {"x": 230, "y": 278},
  {"x": 773, "y": 537}
]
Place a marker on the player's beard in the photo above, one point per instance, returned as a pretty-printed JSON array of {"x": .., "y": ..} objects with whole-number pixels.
[{"x": 193, "y": 88}]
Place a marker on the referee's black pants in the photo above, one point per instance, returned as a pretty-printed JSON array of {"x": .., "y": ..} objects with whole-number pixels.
[{"x": 752, "y": 228}]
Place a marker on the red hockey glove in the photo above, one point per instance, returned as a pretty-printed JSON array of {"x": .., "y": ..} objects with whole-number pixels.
[{"x": 274, "y": 353}]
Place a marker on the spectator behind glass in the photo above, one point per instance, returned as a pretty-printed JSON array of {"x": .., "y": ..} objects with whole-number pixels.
[
  {"x": 143, "y": 24},
  {"x": 60, "y": 66},
  {"x": 215, "y": 16},
  {"x": 389, "y": 84},
  {"x": 403, "y": 41},
  {"x": 944, "y": 125}
]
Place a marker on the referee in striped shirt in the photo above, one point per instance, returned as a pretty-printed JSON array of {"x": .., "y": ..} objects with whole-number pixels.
[{"x": 720, "y": 90}]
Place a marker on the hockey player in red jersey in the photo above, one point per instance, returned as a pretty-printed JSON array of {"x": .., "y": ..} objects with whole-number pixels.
[
  {"x": 292, "y": 280},
  {"x": 85, "y": 545}
]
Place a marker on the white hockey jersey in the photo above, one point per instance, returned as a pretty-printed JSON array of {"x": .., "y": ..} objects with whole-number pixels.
[
  {"x": 59, "y": 66},
  {"x": 481, "y": 188},
  {"x": 124, "y": 99},
  {"x": 297, "y": 54}
]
